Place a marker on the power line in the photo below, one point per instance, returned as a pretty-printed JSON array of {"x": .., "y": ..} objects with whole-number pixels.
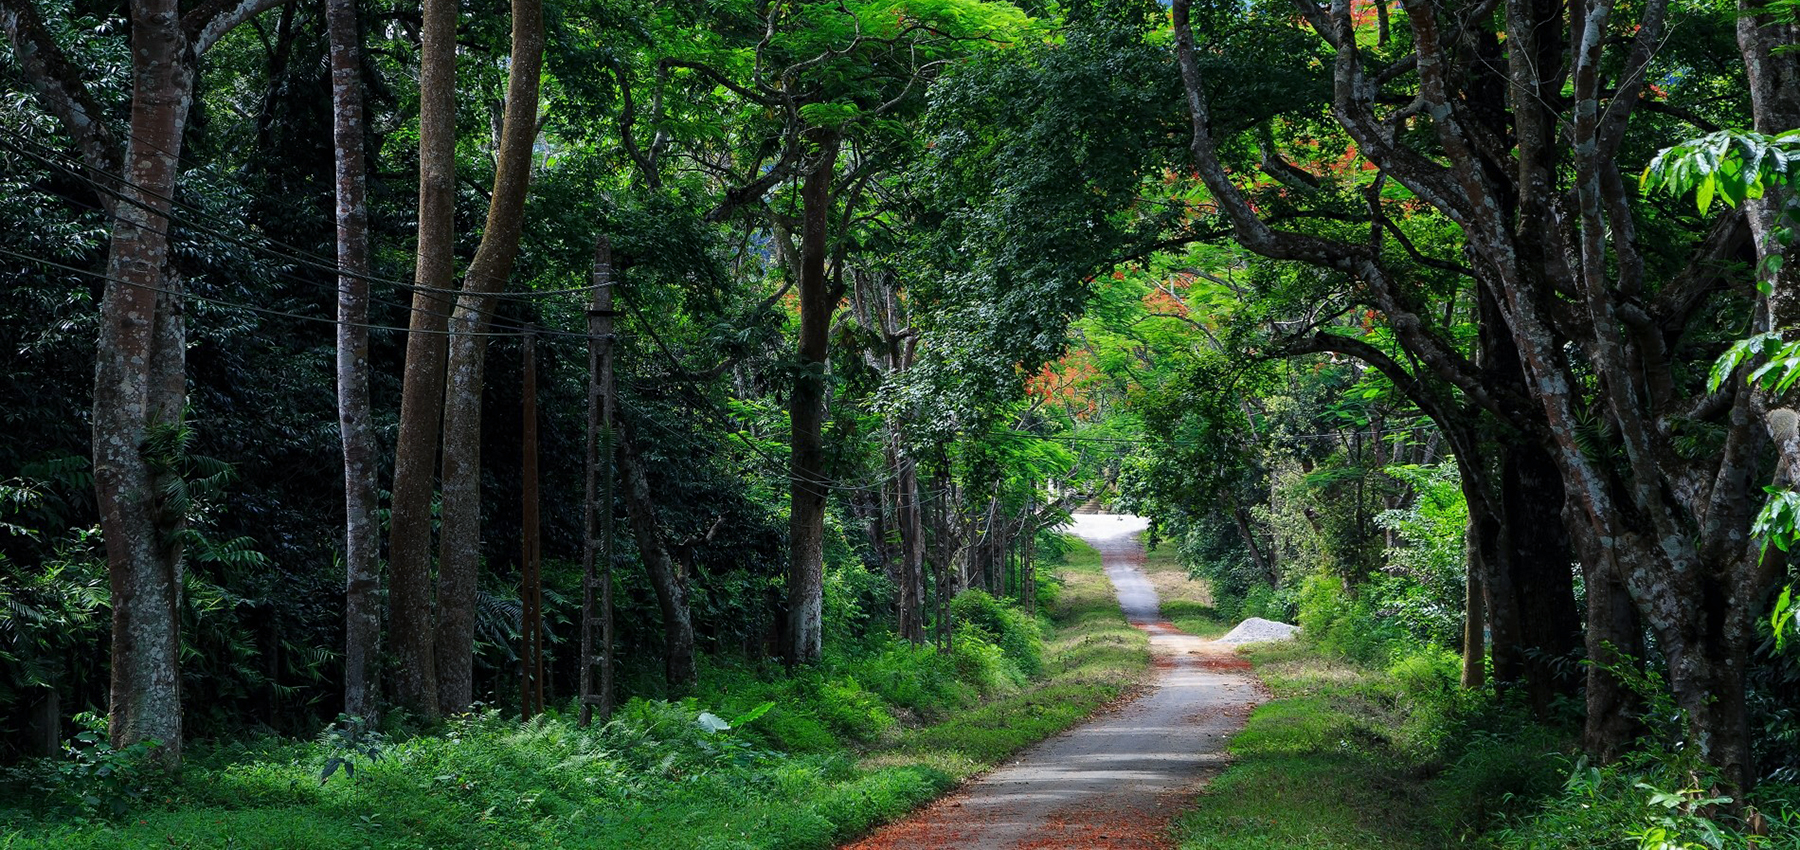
[
  {"x": 513, "y": 330},
  {"x": 224, "y": 303},
  {"x": 295, "y": 253},
  {"x": 426, "y": 292}
]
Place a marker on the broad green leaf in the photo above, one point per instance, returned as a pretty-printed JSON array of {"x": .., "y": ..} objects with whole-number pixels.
[
  {"x": 712, "y": 723},
  {"x": 1739, "y": 351},
  {"x": 753, "y": 713},
  {"x": 1785, "y": 609}
]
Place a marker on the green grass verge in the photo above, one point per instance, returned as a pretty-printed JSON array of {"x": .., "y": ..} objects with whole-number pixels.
[
  {"x": 865, "y": 740},
  {"x": 1093, "y": 657},
  {"x": 1346, "y": 757},
  {"x": 1186, "y": 602}
]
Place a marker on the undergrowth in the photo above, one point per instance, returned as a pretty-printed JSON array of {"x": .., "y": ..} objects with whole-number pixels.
[
  {"x": 1368, "y": 742},
  {"x": 756, "y": 759},
  {"x": 1353, "y": 756},
  {"x": 1187, "y": 600}
]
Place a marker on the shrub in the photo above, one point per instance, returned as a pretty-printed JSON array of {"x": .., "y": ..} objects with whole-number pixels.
[
  {"x": 918, "y": 679},
  {"x": 1344, "y": 626},
  {"x": 851, "y": 591},
  {"x": 852, "y": 711},
  {"x": 1658, "y": 802},
  {"x": 985, "y": 666},
  {"x": 1506, "y": 763},
  {"x": 92, "y": 779},
  {"x": 1263, "y": 601},
  {"x": 1430, "y": 696},
  {"x": 978, "y": 614}
]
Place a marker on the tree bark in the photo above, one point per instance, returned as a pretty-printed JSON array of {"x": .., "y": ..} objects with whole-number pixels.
[
  {"x": 1614, "y": 639},
  {"x": 1543, "y": 566},
  {"x": 912, "y": 553},
  {"x": 362, "y": 581},
  {"x": 459, "y": 555},
  {"x": 806, "y": 514},
  {"x": 140, "y": 359},
  {"x": 1474, "y": 641},
  {"x": 671, "y": 591},
  {"x": 1498, "y": 581},
  {"x": 415, "y": 680},
  {"x": 139, "y": 393}
]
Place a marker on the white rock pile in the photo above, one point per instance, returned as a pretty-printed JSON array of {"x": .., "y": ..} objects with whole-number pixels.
[{"x": 1257, "y": 629}]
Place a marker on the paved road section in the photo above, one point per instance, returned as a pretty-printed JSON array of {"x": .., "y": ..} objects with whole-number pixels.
[{"x": 1114, "y": 782}]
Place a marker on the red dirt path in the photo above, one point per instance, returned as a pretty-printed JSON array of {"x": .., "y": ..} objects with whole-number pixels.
[{"x": 1114, "y": 782}]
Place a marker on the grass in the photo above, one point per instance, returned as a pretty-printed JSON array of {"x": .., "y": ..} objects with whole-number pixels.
[
  {"x": 1186, "y": 601},
  {"x": 1093, "y": 657},
  {"x": 1348, "y": 757},
  {"x": 867, "y": 738}
]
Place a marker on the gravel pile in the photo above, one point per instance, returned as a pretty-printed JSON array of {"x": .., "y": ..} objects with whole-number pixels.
[{"x": 1258, "y": 629}]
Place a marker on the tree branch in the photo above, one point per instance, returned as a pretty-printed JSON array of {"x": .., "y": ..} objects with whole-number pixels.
[
  {"x": 63, "y": 93},
  {"x": 210, "y": 21}
]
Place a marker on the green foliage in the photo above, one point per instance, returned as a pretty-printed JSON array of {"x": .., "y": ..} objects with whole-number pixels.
[
  {"x": 349, "y": 742},
  {"x": 1662, "y": 802},
  {"x": 1347, "y": 756},
  {"x": 1660, "y": 796},
  {"x": 1782, "y": 619},
  {"x": 92, "y": 779},
  {"x": 1034, "y": 156},
  {"x": 714, "y": 771},
  {"x": 1348, "y": 627},
  {"x": 1734, "y": 165},
  {"x": 1424, "y": 586},
  {"x": 48, "y": 616},
  {"x": 983, "y": 618}
]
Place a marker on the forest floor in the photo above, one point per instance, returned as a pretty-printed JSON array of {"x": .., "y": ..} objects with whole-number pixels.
[
  {"x": 1113, "y": 783},
  {"x": 799, "y": 780}
]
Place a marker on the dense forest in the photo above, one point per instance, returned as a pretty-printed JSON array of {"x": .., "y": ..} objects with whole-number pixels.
[{"x": 597, "y": 368}]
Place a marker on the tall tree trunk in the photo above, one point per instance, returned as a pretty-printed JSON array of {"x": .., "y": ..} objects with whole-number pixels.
[
  {"x": 1474, "y": 641},
  {"x": 139, "y": 393},
  {"x": 912, "y": 553},
  {"x": 1027, "y": 556},
  {"x": 362, "y": 583},
  {"x": 806, "y": 514},
  {"x": 1500, "y": 599},
  {"x": 1543, "y": 564},
  {"x": 415, "y": 680},
  {"x": 140, "y": 370},
  {"x": 671, "y": 591},
  {"x": 1264, "y": 564},
  {"x": 881, "y": 508},
  {"x": 459, "y": 556},
  {"x": 1615, "y": 640},
  {"x": 944, "y": 547}
]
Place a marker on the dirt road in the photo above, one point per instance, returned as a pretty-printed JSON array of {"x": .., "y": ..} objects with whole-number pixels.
[{"x": 1114, "y": 782}]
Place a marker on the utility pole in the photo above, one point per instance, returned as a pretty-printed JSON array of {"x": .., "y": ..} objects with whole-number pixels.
[
  {"x": 1029, "y": 567},
  {"x": 597, "y": 515},
  {"x": 531, "y": 576}
]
